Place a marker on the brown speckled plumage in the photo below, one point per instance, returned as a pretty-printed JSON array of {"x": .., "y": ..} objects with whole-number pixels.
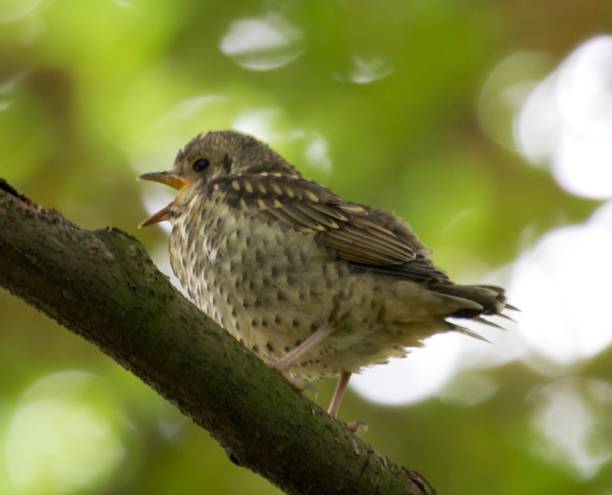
[{"x": 272, "y": 257}]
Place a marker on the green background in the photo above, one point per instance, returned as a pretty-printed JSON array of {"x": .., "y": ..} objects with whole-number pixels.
[{"x": 95, "y": 92}]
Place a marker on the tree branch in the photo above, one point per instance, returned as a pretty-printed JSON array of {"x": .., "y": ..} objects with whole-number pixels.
[{"x": 103, "y": 286}]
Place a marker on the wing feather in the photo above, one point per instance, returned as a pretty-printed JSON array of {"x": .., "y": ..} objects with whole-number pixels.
[{"x": 370, "y": 239}]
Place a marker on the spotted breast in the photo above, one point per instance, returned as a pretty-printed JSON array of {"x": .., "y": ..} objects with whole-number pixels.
[{"x": 271, "y": 288}]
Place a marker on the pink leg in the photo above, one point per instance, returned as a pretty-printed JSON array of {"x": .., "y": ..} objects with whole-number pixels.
[
  {"x": 285, "y": 363},
  {"x": 336, "y": 401}
]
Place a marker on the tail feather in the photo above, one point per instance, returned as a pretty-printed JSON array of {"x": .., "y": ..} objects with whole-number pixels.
[
  {"x": 466, "y": 331},
  {"x": 506, "y": 317},
  {"x": 492, "y": 299},
  {"x": 490, "y": 323},
  {"x": 478, "y": 301}
]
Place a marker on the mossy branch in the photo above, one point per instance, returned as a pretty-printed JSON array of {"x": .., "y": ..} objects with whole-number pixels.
[{"x": 103, "y": 286}]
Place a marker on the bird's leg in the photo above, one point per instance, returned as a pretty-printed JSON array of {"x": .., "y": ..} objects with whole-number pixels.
[
  {"x": 334, "y": 405},
  {"x": 283, "y": 364}
]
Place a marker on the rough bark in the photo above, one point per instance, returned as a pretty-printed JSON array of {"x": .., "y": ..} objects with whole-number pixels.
[{"x": 103, "y": 286}]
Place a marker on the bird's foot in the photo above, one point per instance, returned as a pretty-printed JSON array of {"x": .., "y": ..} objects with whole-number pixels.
[
  {"x": 355, "y": 426},
  {"x": 297, "y": 385},
  {"x": 303, "y": 387}
]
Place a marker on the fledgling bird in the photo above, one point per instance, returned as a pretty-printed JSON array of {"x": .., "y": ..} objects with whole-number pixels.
[{"x": 314, "y": 284}]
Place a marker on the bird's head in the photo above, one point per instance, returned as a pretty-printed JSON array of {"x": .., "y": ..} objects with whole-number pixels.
[{"x": 208, "y": 157}]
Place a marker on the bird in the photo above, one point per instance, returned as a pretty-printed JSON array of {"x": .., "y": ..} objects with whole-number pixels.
[{"x": 314, "y": 284}]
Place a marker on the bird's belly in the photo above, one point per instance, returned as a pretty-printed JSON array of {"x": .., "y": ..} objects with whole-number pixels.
[
  {"x": 269, "y": 288},
  {"x": 272, "y": 288}
]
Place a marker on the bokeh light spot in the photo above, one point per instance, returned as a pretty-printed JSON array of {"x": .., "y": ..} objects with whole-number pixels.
[
  {"x": 566, "y": 122},
  {"x": 562, "y": 288},
  {"x": 570, "y": 414},
  {"x": 261, "y": 123},
  {"x": 317, "y": 153},
  {"x": 583, "y": 164},
  {"x": 262, "y": 43},
  {"x": 537, "y": 123},
  {"x": 584, "y": 89},
  {"x": 366, "y": 70},
  {"x": 504, "y": 91},
  {"x": 58, "y": 440}
]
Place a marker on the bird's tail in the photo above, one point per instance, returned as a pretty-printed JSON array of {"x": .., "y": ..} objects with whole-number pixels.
[
  {"x": 480, "y": 300},
  {"x": 491, "y": 299}
]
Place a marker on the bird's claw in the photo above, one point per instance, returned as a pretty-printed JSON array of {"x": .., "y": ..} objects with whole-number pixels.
[
  {"x": 355, "y": 426},
  {"x": 310, "y": 388},
  {"x": 297, "y": 385},
  {"x": 300, "y": 386}
]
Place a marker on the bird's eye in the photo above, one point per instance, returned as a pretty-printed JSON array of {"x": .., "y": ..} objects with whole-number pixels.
[{"x": 200, "y": 165}]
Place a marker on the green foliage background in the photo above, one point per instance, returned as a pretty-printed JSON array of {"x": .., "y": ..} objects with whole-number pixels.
[{"x": 94, "y": 102}]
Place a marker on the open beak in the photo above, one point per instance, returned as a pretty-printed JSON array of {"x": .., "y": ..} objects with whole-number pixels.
[{"x": 170, "y": 179}]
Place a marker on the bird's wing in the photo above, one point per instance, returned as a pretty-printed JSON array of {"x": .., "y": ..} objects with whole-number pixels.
[{"x": 368, "y": 238}]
